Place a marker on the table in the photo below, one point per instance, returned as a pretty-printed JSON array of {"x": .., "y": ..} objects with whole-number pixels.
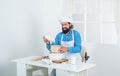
[{"x": 23, "y": 65}]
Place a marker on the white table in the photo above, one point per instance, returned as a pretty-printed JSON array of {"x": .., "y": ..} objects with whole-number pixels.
[{"x": 76, "y": 70}]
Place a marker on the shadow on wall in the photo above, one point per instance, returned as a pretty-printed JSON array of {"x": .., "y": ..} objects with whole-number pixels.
[{"x": 106, "y": 58}]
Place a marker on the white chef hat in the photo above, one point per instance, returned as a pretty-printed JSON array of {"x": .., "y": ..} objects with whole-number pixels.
[{"x": 66, "y": 19}]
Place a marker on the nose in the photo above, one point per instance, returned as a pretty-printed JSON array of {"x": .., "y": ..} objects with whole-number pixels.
[{"x": 63, "y": 26}]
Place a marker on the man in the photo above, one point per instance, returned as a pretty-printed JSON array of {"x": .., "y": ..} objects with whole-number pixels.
[{"x": 69, "y": 39}]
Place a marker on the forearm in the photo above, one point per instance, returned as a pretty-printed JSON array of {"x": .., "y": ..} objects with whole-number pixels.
[
  {"x": 76, "y": 49},
  {"x": 49, "y": 45}
]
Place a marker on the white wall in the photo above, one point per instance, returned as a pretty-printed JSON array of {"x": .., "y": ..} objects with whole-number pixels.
[
  {"x": 106, "y": 57},
  {"x": 52, "y": 12},
  {"x": 19, "y": 32},
  {"x": 118, "y": 15},
  {"x": 23, "y": 23}
]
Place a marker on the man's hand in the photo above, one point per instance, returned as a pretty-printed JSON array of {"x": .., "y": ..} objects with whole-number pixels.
[
  {"x": 46, "y": 40},
  {"x": 63, "y": 49}
]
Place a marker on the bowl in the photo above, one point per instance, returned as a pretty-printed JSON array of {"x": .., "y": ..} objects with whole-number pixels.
[{"x": 55, "y": 56}]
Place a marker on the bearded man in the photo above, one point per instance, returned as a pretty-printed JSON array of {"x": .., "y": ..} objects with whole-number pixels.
[{"x": 69, "y": 39}]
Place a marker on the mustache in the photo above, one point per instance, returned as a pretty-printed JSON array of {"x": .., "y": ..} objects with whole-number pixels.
[{"x": 65, "y": 30}]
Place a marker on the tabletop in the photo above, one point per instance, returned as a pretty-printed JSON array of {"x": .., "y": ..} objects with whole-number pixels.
[{"x": 65, "y": 66}]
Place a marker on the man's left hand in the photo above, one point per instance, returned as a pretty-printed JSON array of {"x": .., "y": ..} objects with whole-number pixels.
[{"x": 63, "y": 49}]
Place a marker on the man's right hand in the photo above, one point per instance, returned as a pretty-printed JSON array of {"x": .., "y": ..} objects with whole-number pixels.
[{"x": 46, "y": 40}]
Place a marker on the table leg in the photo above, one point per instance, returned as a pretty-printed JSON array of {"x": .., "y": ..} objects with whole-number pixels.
[{"x": 21, "y": 69}]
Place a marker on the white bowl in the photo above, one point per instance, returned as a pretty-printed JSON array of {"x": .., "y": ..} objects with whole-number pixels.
[{"x": 55, "y": 56}]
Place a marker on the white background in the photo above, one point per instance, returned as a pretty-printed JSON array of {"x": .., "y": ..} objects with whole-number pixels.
[{"x": 23, "y": 23}]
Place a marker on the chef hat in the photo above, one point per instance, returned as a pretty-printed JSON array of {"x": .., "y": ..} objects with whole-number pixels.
[{"x": 66, "y": 19}]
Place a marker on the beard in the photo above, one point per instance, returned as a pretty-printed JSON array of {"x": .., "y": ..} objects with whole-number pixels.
[{"x": 65, "y": 30}]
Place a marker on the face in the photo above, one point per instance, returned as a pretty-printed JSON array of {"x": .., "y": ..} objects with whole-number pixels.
[{"x": 65, "y": 27}]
